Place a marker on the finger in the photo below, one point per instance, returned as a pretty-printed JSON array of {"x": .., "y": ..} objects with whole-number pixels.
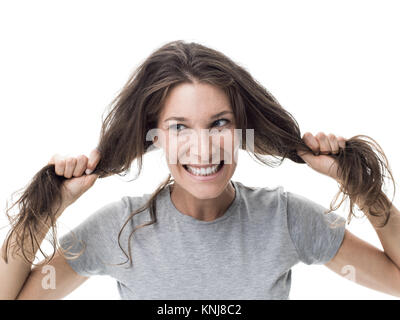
[
  {"x": 81, "y": 165},
  {"x": 94, "y": 159},
  {"x": 311, "y": 142},
  {"x": 334, "y": 143},
  {"x": 341, "y": 142},
  {"x": 52, "y": 159},
  {"x": 59, "y": 165},
  {"x": 69, "y": 167},
  {"x": 324, "y": 145}
]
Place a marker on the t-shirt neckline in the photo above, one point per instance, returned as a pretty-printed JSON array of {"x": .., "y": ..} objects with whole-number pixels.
[{"x": 189, "y": 219}]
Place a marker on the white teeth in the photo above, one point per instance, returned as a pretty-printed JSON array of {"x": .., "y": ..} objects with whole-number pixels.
[{"x": 203, "y": 171}]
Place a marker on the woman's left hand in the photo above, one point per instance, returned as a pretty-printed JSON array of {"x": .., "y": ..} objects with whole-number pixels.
[{"x": 322, "y": 145}]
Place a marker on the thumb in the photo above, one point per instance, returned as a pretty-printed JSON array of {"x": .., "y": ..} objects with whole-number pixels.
[
  {"x": 90, "y": 180},
  {"x": 308, "y": 157}
]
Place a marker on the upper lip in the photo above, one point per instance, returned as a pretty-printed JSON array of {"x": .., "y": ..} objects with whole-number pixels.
[{"x": 201, "y": 166}]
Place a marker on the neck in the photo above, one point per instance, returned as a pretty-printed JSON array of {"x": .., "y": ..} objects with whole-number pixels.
[{"x": 202, "y": 209}]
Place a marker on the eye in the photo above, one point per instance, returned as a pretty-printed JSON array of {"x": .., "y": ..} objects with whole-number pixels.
[
  {"x": 175, "y": 126},
  {"x": 226, "y": 120}
]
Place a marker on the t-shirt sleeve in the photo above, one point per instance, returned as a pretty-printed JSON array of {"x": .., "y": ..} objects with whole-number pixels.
[
  {"x": 317, "y": 236},
  {"x": 96, "y": 236}
]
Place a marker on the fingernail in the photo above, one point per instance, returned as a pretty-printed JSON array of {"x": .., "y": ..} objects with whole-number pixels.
[{"x": 88, "y": 171}]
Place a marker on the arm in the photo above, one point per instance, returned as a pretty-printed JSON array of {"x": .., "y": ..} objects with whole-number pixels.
[
  {"x": 17, "y": 278},
  {"x": 373, "y": 268},
  {"x": 66, "y": 281},
  {"x": 389, "y": 235},
  {"x": 20, "y": 281},
  {"x": 369, "y": 266},
  {"x": 12, "y": 275}
]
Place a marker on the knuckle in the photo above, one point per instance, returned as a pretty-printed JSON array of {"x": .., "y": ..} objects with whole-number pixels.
[
  {"x": 306, "y": 134},
  {"x": 342, "y": 142},
  {"x": 307, "y": 137},
  {"x": 331, "y": 137},
  {"x": 82, "y": 159},
  {"x": 60, "y": 163},
  {"x": 52, "y": 160},
  {"x": 320, "y": 135},
  {"x": 71, "y": 161},
  {"x": 94, "y": 153},
  {"x": 77, "y": 173},
  {"x": 82, "y": 156},
  {"x": 59, "y": 167}
]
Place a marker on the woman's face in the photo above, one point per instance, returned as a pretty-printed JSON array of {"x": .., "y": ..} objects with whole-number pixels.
[{"x": 196, "y": 132}]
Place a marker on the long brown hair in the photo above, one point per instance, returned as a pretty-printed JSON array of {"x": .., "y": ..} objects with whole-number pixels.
[{"x": 135, "y": 110}]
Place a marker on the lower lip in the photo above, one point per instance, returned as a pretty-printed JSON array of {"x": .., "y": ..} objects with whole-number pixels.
[{"x": 206, "y": 178}]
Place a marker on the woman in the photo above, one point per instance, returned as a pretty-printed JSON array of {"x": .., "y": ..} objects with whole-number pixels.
[{"x": 201, "y": 235}]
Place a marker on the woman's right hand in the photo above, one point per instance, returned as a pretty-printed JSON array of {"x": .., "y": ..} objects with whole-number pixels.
[{"x": 77, "y": 171}]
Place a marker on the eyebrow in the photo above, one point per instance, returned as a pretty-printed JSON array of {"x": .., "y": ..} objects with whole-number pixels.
[{"x": 213, "y": 117}]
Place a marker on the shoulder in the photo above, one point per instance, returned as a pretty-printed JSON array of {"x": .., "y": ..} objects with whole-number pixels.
[
  {"x": 263, "y": 201},
  {"x": 264, "y": 194},
  {"x": 303, "y": 212},
  {"x": 301, "y": 205},
  {"x": 274, "y": 196},
  {"x": 116, "y": 212},
  {"x": 280, "y": 200},
  {"x": 132, "y": 203}
]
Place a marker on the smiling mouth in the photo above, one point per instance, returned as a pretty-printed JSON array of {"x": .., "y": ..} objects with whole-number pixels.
[{"x": 205, "y": 171}]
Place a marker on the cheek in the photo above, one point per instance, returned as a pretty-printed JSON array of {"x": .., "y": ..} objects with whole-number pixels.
[
  {"x": 229, "y": 145},
  {"x": 226, "y": 141},
  {"x": 173, "y": 148},
  {"x": 174, "y": 169},
  {"x": 171, "y": 154}
]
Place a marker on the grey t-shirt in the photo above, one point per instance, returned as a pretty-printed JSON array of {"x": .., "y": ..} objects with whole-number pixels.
[{"x": 247, "y": 253}]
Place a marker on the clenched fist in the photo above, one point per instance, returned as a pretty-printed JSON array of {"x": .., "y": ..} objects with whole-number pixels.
[
  {"x": 77, "y": 171},
  {"x": 323, "y": 146}
]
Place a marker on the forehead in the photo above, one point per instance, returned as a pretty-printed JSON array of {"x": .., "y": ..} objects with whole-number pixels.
[{"x": 194, "y": 100}]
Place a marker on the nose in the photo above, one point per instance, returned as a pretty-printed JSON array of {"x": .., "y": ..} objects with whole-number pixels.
[{"x": 202, "y": 149}]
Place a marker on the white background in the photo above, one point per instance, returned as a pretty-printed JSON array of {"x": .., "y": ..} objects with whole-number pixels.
[{"x": 333, "y": 64}]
